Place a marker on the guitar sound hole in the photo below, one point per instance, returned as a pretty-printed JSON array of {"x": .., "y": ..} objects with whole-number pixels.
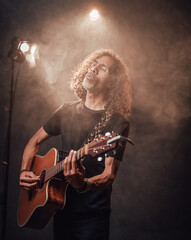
[
  {"x": 30, "y": 194},
  {"x": 42, "y": 176}
]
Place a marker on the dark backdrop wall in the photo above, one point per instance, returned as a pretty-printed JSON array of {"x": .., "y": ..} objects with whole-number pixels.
[{"x": 151, "y": 195}]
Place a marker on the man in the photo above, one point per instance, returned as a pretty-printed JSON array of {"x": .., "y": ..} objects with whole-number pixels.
[{"x": 103, "y": 88}]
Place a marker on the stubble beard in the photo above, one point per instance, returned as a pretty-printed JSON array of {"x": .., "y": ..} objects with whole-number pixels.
[{"x": 89, "y": 86}]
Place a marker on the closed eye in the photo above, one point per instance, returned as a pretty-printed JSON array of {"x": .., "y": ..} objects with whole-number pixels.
[
  {"x": 104, "y": 67},
  {"x": 94, "y": 63}
]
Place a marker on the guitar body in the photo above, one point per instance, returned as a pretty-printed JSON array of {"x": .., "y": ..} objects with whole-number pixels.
[{"x": 36, "y": 207}]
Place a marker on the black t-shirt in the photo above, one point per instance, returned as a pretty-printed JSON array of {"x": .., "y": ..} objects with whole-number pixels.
[{"x": 74, "y": 121}]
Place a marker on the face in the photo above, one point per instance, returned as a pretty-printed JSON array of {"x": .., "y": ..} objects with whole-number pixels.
[{"x": 98, "y": 77}]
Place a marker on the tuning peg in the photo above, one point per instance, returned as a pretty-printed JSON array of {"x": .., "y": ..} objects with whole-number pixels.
[
  {"x": 107, "y": 134},
  {"x": 109, "y": 145},
  {"x": 102, "y": 148},
  {"x": 99, "y": 159},
  {"x": 114, "y": 152}
]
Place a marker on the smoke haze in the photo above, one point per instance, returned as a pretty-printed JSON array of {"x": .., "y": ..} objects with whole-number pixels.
[{"x": 151, "y": 193}]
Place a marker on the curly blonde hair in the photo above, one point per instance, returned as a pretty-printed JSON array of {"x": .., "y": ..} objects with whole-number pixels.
[{"x": 120, "y": 96}]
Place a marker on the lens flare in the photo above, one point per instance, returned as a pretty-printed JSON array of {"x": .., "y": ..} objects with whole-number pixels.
[
  {"x": 33, "y": 49},
  {"x": 32, "y": 56},
  {"x": 24, "y": 47},
  {"x": 94, "y": 15}
]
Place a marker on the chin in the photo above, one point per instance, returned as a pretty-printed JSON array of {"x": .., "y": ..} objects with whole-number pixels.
[{"x": 87, "y": 85}]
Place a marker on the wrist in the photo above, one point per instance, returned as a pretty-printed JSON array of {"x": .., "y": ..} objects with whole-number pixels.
[
  {"x": 85, "y": 187},
  {"x": 23, "y": 170}
]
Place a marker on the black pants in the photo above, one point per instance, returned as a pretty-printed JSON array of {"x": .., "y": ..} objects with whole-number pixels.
[{"x": 88, "y": 226}]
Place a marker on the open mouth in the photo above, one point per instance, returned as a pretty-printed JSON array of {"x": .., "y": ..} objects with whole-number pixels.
[{"x": 90, "y": 77}]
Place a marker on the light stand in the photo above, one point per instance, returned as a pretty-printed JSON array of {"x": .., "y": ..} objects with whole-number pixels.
[
  {"x": 15, "y": 55},
  {"x": 7, "y": 158}
]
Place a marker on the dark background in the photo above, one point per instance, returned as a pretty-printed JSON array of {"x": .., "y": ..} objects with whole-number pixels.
[{"x": 151, "y": 194}]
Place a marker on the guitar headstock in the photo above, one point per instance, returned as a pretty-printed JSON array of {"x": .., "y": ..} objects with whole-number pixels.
[{"x": 100, "y": 144}]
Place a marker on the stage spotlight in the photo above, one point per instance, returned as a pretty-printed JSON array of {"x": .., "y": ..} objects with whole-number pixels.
[
  {"x": 21, "y": 50},
  {"x": 94, "y": 15},
  {"x": 24, "y": 47}
]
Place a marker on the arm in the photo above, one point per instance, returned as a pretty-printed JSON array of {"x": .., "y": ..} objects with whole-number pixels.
[
  {"x": 74, "y": 173},
  {"x": 106, "y": 179},
  {"x": 28, "y": 179}
]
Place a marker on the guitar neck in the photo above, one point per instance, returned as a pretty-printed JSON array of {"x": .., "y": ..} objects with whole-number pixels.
[{"x": 58, "y": 168}]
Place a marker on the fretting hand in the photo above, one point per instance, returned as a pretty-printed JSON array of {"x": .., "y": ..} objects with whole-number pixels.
[{"x": 74, "y": 170}]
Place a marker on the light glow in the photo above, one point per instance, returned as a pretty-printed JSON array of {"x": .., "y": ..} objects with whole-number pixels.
[
  {"x": 32, "y": 56},
  {"x": 33, "y": 49},
  {"x": 24, "y": 47},
  {"x": 94, "y": 15}
]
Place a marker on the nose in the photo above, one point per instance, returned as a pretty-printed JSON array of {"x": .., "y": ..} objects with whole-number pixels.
[{"x": 94, "y": 69}]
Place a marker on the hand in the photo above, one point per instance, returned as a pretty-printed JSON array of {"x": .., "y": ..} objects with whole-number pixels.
[
  {"x": 74, "y": 171},
  {"x": 28, "y": 180}
]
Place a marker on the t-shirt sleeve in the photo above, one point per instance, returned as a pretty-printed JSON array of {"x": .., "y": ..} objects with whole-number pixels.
[
  {"x": 120, "y": 126},
  {"x": 122, "y": 145},
  {"x": 53, "y": 125}
]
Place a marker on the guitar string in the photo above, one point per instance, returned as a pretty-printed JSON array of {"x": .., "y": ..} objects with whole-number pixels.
[
  {"x": 50, "y": 173},
  {"x": 59, "y": 166}
]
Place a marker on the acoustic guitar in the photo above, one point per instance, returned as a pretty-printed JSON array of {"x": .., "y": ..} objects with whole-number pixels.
[{"x": 36, "y": 207}]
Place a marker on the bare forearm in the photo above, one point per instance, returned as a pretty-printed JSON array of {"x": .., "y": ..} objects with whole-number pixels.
[
  {"x": 27, "y": 179},
  {"x": 101, "y": 181},
  {"x": 30, "y": 151},
  {"x": 32, "y": 148},
  {"x": 105, "y": 180}
]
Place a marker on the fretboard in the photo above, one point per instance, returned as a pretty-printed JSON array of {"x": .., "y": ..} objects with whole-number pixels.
[{"x": 58, "y": 168}]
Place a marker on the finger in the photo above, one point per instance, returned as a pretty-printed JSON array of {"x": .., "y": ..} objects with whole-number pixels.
[
  {"x": 25, "y": 188},
  {"x": 29, "y": 179},
  {"x": 34, "y": 175},
  {"x": 69, "y": 163},
  {"x": 71, "y": 153},
  {"x": 74, "y": 157},
  {"x": 65, "y": 166},
  {"x": 29, "y": 185},
  {"x": 30, "y": 175}
]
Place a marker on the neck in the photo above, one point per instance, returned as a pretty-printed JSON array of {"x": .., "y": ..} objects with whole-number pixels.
[{"x": 95, "y": 102}]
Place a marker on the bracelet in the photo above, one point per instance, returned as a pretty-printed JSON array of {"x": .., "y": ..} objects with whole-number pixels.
[
  {"x": 86, "y": 187},
  {"x": 24, "y": 170}
]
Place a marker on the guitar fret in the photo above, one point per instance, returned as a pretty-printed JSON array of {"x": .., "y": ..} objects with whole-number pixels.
[{"x": 89, "y": 148}]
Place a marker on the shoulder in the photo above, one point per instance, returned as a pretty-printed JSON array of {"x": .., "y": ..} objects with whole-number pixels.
[
  {"x": 119, "y": 119},
  {"x": 119, "y": 124},
  {"x": 68, "y": 106}
]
